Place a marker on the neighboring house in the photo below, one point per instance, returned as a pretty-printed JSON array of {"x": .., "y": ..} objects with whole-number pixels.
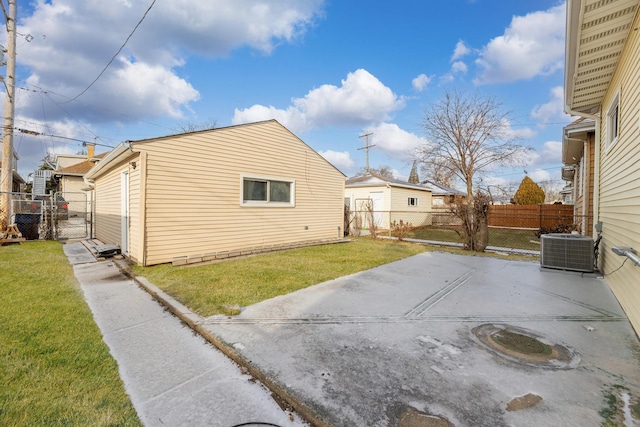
[
  {"x": 566, "y": 193},
  {"x": 602, "y": 83},
  {"x": 578, "y": 156},
  {"x": 384, "y": 200},
  {"x": 215, "y": 193},
  {"x": 443, "y": 197},
  {"x": 69, "y": 173}
]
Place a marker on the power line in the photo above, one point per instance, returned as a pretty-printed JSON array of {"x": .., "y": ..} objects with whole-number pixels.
[
  {"x": 34, "y": 133},
  {"x": 48, "y": 93},
  {"x": 115, "y": 55}
]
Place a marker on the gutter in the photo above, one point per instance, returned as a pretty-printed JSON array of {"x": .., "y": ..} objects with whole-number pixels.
[{"x": 110, "y": 158}]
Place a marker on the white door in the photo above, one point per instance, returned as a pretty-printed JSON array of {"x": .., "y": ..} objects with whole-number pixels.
[
  {"x": 377, "y": 204},
  {"x": 124, "y": 212}
]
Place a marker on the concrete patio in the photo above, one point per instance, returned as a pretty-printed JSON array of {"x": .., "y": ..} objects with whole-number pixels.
[{"x": 403, "y": 344}]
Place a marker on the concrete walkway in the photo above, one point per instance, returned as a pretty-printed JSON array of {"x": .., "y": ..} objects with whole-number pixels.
[{"x": 173, "y": 376}]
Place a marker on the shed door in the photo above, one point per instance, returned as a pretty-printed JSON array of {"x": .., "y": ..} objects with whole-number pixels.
[{"x": 377, "y": 204}]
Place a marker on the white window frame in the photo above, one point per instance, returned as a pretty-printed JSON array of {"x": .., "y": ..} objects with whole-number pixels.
[
  {"x": 414, "y": 199},
  {"x": 613, "y": 122},
  {"x": 581, "y": 176},
  {"x": 267, "y": 203}
]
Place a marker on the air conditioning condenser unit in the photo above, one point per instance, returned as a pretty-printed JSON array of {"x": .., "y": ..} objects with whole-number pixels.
[{"x": 572, "y": 252}]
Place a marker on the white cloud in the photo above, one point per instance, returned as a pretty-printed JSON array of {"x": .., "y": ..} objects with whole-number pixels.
[
  {"x": 540, "y": 175},
  {"x": 340, "y": 159},
  {"x": 460, "y": 50},
  {"x": 446, "y": 78},
  {"x": 391, "y": 139},
  {"x": 73, "y": 40},
  {"x": 144, "y": 81},
  {"x": 552, "y": 151},
  {"x": 361, "y": 99},
  {"x": 420, "y": 82},
  {"x": 519, "y": 133},
  {"x": 458, "y": 67},
  {"x": 532, "y": 45},
  {"x": 549, "y": 153},
  {"x": 552, "y": 110}
]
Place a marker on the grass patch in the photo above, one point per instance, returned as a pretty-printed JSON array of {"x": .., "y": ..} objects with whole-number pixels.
[
  {"x": 54, "y": 367},
  {"x": 217, "y": 288},
  {"x": 501, "y": 237}
]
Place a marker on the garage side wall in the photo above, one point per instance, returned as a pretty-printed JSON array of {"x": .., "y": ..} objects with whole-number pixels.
[
  {"x": 107, "y": 207},
  {"x": 417, "y": 214},
  {"x": 193, "y": 193}
]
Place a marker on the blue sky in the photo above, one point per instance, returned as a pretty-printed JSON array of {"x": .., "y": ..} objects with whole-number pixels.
[{"x": 328, "y": 70}]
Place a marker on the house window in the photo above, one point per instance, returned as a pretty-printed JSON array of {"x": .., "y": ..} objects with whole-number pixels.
[
  {"x": 613, "y": 122},
  {"x": 412, "y": 201},
  {"x": 437, "y": 201},
  {"x": 267, "y": 192}
]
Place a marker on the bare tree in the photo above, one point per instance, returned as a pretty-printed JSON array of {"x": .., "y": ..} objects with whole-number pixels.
[
  {"x": 384, "y": 171},
  {"x": 438, "y": 173},
  {"x": 186, "y": 127},
  {"x": 468, "y": 134}
]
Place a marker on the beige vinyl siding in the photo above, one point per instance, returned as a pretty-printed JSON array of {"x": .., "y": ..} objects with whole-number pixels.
[
  {"x": 416, "y": 215},
  {"x": 193, "y": 192},
  {"x": 620, "y": 180},
  {"x": 107, "y": 205},
  {"x": 73, "y": 190},
  {"x": 584, "y": 190},
  {"x": 135, "y": 210}
]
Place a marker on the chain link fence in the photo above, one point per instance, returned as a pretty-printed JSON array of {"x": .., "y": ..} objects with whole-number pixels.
[
  {"x": 57, "y": 216},
  {"x": 443, "y": 227}
]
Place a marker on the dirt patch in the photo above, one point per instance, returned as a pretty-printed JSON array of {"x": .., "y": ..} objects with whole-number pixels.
[
  {"x": 411, "y": 417},
  {"x": 523, "y": 402}
]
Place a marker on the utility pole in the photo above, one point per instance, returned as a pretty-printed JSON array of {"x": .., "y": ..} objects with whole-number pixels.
[
  {"x": 6, "y": 177},
  {"x": 366, "y": 147}
]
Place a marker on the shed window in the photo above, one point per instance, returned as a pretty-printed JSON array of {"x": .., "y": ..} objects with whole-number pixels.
[
  {"x": 412, "y": 201},
  {"x": 266, "y": 191}
]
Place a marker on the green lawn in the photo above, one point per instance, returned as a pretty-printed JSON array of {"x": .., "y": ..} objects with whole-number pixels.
[
  {"x": 502, "y": 237},
  {"x": 221, "y": 288},
  {"x": 55, "y": 369}
]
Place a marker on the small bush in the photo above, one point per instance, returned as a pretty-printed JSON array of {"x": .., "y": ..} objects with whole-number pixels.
[{"x": 400, "y": 229}]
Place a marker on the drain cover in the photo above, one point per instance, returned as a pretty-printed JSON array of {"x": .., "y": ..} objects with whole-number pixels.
[{"x": 525, "y": 347}]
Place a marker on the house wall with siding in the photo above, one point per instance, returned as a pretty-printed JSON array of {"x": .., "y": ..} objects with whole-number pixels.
[
  {"x": 619, "y": 207},
  {"x": 192, "y": 192},
  {"x": 76, "y": 198}
]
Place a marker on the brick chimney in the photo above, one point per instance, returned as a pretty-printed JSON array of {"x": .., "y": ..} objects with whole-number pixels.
[{"x": 91, "y": 151}]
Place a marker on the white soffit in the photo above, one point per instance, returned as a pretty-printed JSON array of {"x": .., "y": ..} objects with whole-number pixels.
[{"x": 596, "y": 34}]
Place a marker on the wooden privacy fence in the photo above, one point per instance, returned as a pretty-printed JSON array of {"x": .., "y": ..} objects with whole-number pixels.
[{"x": 530, "y": 216}]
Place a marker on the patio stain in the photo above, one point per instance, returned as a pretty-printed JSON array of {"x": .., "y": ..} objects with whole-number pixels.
[
  {"x": 523, "y": 402},
  {"x": 521, "y": 346},
  {"x": 411, "y": 417}
]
